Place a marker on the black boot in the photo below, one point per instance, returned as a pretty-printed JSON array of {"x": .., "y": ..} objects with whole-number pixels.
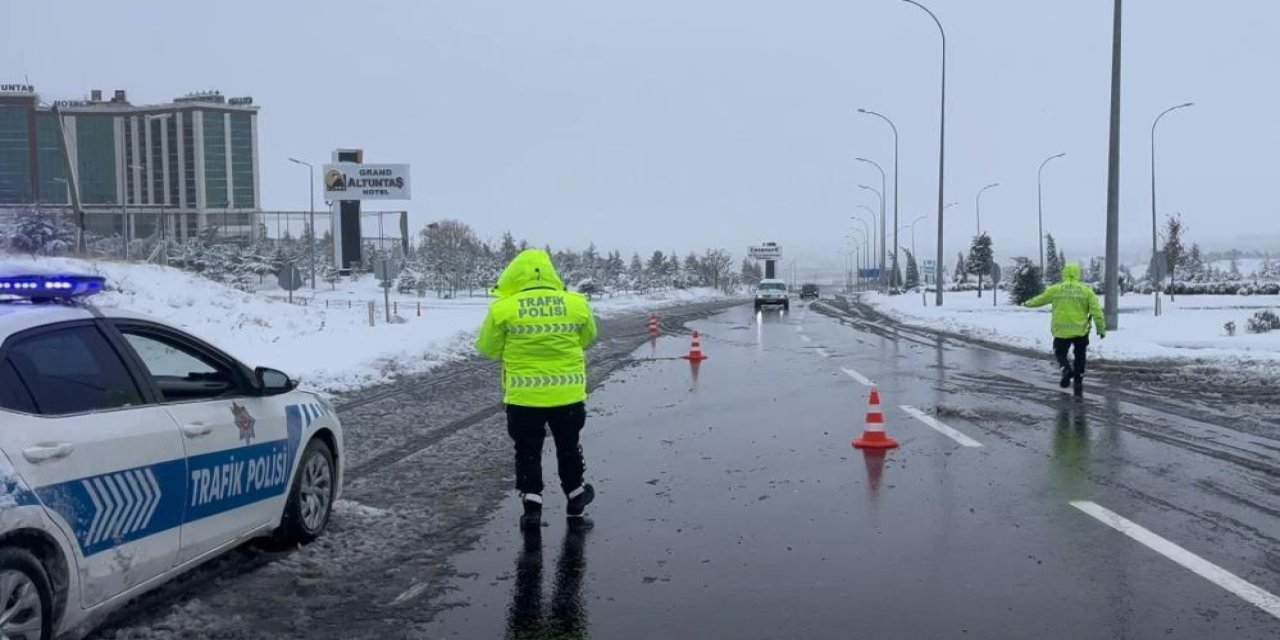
[
  {"x": 578, "y": 504},
  {"x": 1067, "y": 374},
  {"x": 532, "y": 518},
  {"x": 1079, "y": 385}
]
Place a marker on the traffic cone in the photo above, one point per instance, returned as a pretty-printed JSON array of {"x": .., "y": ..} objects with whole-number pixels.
[
  {"x": 874, "y": 437},
  {"x": 695, "y": 352},
  {"x": 653, "y": 324}
]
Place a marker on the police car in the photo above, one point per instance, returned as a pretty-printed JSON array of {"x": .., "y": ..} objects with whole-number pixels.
[{"x": 131, "y": 452}]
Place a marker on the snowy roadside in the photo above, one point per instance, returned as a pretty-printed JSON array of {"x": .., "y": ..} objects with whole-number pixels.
[
  {"x": 1190, "y": 330},
  {"x": 326, "y": 342}
]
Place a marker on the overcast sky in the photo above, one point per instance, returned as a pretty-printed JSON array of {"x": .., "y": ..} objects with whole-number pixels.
[{"x": 690, "y": 124}]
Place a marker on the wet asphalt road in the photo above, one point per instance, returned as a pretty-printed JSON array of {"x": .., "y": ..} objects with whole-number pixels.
[{"x": 733, "y": 506}]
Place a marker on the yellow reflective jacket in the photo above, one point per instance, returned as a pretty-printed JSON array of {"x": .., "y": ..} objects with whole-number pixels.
[
  {"x": 1075, "y": 305},
  {"x": 539, "y": 331}
]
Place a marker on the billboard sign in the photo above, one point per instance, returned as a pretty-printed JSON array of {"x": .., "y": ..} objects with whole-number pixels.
[
  {"x": 765, "y": 252},
  {"x": 350, "y": 181}
]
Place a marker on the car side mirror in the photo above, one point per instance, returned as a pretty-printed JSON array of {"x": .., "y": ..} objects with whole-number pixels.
[{"x": 272, "y": 382}]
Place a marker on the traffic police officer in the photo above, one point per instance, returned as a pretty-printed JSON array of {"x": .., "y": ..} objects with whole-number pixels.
[{"x": 539, "y": 331}]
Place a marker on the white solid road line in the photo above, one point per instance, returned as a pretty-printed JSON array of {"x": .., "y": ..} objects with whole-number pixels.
[
  {"x": 1248, "y": 592},
  {"x": 859, "y": 377},
  {"x": 930, "y": 421},
  {"x": 823, "y": 352}
]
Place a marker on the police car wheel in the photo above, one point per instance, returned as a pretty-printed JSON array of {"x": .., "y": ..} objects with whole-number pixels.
[
  {"x": 311, "y": 499},
  {"x": 26, "y": 599}
]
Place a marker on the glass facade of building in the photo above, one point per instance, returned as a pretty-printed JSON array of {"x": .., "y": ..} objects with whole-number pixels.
[
  {"x": 96, "y": 159},
  {"x": 15, "y": 154},
  {"x": 189, "y": 158},
  {"x": 51, "y": 166},
  {"x": 215, "y": 160},
  {"x": 242, "y": 160}
]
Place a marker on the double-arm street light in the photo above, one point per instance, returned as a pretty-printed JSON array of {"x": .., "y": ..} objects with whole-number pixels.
[
  {"x": 1040, "y": 204},
  {"x": 311, "y": 248}
]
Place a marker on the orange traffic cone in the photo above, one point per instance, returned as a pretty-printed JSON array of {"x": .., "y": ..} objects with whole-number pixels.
[
  {"x": 653, "y": 324},
  {"x": 874, "y": 436},
  {"x": 695, "y": 352}
]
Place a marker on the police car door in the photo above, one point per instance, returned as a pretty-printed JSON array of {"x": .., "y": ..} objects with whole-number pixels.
[
  {"x": 237, "y": 457},
  {"x": 106, "y": 463}
]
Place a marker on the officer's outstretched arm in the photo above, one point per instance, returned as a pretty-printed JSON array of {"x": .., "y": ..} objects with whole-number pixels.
[
  {"x": 492, "y": 339},
  {"x": 1042, "y": 299}
]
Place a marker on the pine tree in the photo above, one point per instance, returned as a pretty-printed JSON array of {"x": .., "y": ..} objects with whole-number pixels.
[
  {"x": 636, "y": 272},
  {"x": 1174, "y": 250},
  {"x": 1096, "y": 271},
  {"x": 980, "y": 259},
  {"x": 1194, "y": 267},
  {"x": 508, "y": 250},
  {"x": 1027, "y": 281},
  {"x": 1052, "y": 261},
  {"x": 961, "y": 274},
  {"x": 330, "y": 274},
  {"x": 35, "y": 233},
  {"x": 913, "y": 271}
]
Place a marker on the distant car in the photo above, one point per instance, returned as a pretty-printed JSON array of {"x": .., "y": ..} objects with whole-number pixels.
[
  {"x": 809, "y": 291},
  {"x": 132, "y": 452},
  {"x": 588, "y": 287},
  {"x": 772, "y": 293}
]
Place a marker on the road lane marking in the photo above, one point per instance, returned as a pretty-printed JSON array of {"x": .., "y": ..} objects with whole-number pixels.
[
  {"x": 930, "y": 421},
  {"x": 805, "y": 338},
  {"x": 799, "y": 328},
  {"x": 859, "y": 377},
  {"x": 823, "y": 352},
  {"x": 1248, "y": 592},
  {"x": 410, "y": 593}
]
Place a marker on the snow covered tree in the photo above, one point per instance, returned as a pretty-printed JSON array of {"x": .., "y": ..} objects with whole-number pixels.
[
  {"x": 961, "y": 273},
  {"x": 752, "y": 274},
  {"x": 35, "y": 233},
  {"x": 508, "y": 250},
  {"x": 635, "y": 273},
  {"x": 913, "y": 271},
  {"x": 1194, "y": 267},
  {"x": 691, "y": 270},
  {"x": 1096, "y": 271},
  {"x": 1174, "y": 250},
  {"x": 330, "y": 274},
  {"x": 980, "y": 259},
  {"x": 1027, "y": 281},
  {"x": 1052, "y": 261}
]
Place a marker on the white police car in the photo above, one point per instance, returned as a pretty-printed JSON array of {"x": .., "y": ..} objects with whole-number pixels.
[{"x": 131, "y": 452}]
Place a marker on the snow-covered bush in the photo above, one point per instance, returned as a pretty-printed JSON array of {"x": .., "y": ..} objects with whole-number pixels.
[{"x": 1264, "y": 321}]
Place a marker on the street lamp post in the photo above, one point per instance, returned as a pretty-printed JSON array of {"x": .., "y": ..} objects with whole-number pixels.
[
  {"x": 867, "y": 238},
  {"x": 895, "y": 183},
  {"x": 942, "y": 142},
  {"x": 978, "y": 203},
  {"x": 880, "y": 198},
  {"x": 880, "y": 193},
  {"x": 872, "y": 251},
  {"x": 1040, "y": 205},
  {"x": 311, "y": 245},
  {"x": 1153, "y": 179}
]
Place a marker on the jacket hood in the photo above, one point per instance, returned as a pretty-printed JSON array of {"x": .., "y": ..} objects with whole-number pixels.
[
  {"x": 1071, "y": 272},
  {"x": 532, "y": 269}
]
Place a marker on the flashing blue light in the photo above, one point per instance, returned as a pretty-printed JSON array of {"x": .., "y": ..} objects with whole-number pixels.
[{"x": 49, "y": 287}]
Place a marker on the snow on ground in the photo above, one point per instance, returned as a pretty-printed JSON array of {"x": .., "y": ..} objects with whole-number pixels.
[
  {"x": 1192, "y": 327},
  {"x": 324, "y": 339}
]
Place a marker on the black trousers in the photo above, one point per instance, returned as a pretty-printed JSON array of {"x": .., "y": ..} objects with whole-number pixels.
[
  {"x": 1081, "y": 346},
  {"x": 528, "y": 429}
]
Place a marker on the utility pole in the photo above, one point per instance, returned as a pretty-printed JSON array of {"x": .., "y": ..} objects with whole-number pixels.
[{"x": 1112, "y": 311}]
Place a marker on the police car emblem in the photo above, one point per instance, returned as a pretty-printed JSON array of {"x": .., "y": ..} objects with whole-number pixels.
[{"x": 244, "y": 422}]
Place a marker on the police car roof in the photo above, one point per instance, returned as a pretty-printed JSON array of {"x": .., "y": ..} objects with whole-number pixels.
[{"x": 20, "y": 316}]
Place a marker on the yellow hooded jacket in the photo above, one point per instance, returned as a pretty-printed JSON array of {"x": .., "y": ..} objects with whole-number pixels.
[{"x": 539, "y": 331}]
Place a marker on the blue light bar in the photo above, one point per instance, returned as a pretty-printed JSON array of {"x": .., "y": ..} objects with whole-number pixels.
[{"x": 50, "y": 286}]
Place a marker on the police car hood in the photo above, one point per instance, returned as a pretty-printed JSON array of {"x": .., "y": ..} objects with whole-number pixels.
[{"x": 531, "y": 269}]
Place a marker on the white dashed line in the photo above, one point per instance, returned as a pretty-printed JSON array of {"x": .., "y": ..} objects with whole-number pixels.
[
  {"x": 410, "y": 593},
  {"x": 823, "y": 352},
  {"x": 1248, "y": 592},
  {"x": 930, "y": 421},
  {"x": 806, "y": 338},
  {"x": 859, "y": 377}
]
